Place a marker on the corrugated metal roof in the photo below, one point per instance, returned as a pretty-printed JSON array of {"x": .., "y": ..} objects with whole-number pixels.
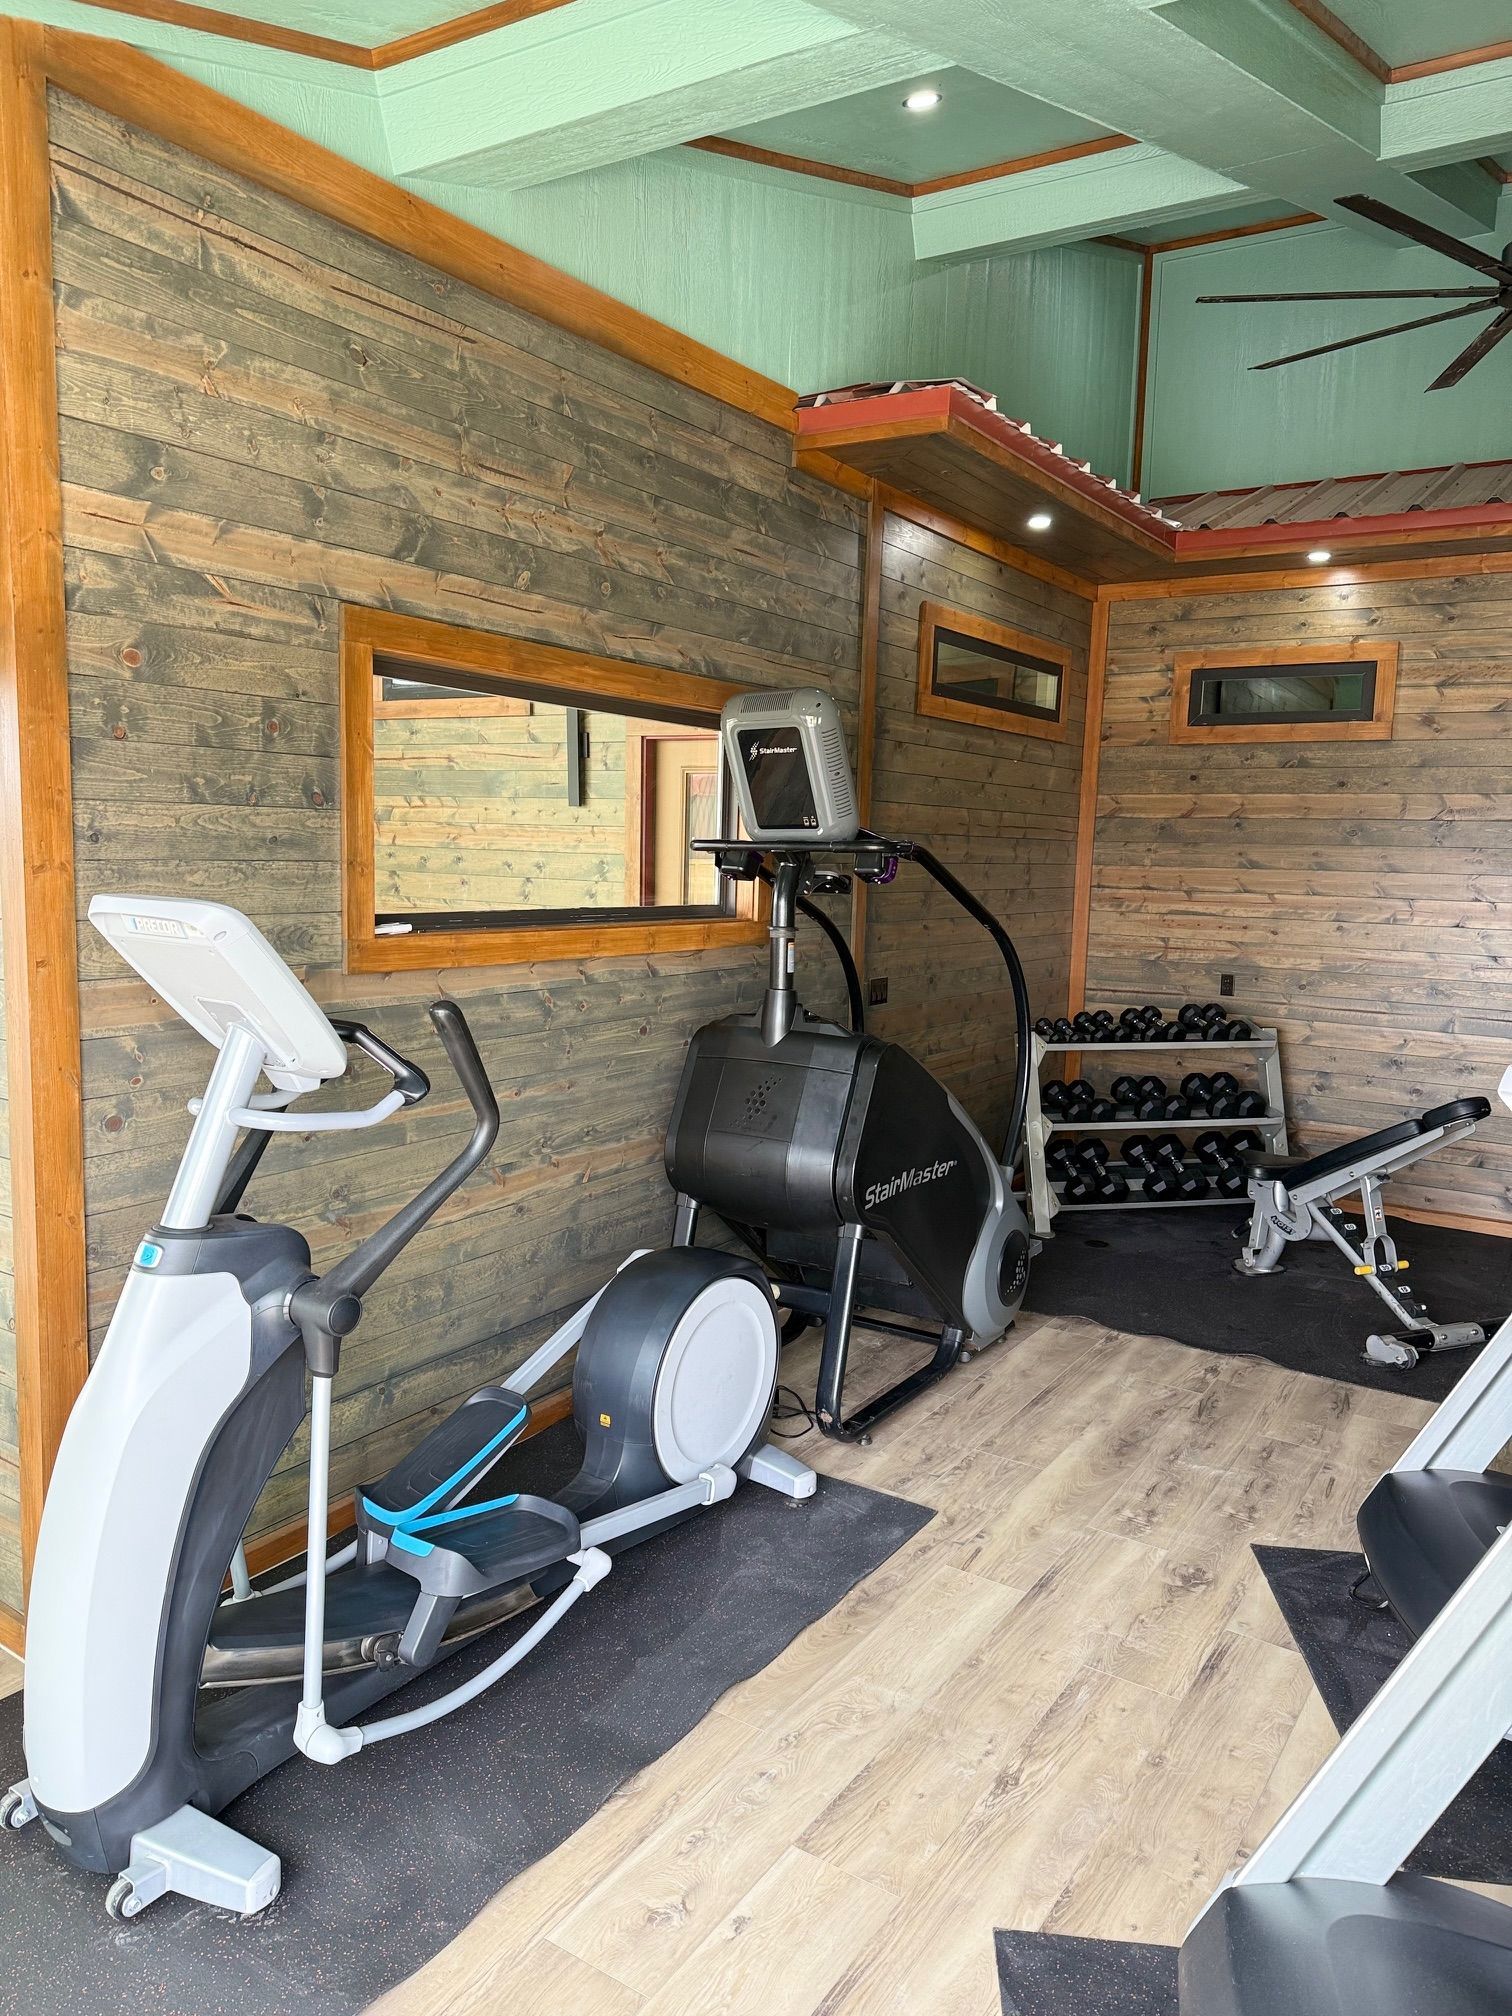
[
  {"x": 1449, "y": 488},
  {"x": 1014, "y": 434}
]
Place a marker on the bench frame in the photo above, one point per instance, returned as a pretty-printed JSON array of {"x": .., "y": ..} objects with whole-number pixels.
[{"x": 1287, "y": 1206}]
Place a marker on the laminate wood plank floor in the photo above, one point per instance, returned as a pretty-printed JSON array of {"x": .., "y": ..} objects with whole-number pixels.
[{"x": 1069, "y": 1702}]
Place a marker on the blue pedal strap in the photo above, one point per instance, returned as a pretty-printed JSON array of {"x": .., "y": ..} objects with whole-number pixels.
[
  {"x": 421, "y": 1515},
  {"x": 406, "y": 1537}
]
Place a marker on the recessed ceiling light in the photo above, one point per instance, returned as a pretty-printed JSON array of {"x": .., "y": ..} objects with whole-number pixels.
[
  {"x": 1041, "y": 522},
  {"x": 1319, "y": 557},
  {"x": 921, "y": 101}
]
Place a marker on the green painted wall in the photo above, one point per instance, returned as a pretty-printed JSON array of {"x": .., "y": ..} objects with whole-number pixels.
[
  {"x": 1213, "y": 423},
  {"x": 816, "y": 286},
  {"x": 809, "y": 282}
]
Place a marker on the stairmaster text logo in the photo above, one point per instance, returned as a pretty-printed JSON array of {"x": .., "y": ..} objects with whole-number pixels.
[
  {"x": 774, "y": 748},
  {"x": 906, "y": 1179}
]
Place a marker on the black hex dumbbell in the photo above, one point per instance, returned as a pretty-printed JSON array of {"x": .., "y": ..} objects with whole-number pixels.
[
  {"x": 1095, "y": 1182},
  {"x": 1217, "y": 1151},
  {"x": 1197, "y": 1090}
]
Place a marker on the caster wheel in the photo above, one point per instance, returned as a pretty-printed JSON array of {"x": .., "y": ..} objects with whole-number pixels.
[
  {"x": 13, "y": 1815},
  {"x": 121, "y": 1899},
  {"x": 863, "y": 1441},
  {"x": 965, "y": 1357},
  {"x": 1392, "y": 1351}
]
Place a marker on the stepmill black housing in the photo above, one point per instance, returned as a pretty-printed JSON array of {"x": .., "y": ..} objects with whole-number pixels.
[{"x": 836, "y": 1157}]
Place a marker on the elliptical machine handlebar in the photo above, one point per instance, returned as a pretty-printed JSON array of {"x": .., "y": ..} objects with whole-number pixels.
[{"x": 329, "y": 1307}]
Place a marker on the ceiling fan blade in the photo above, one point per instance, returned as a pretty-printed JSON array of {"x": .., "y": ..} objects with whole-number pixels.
[
  {"x": 1408, "y": 226},
  {"x": 1473, "y": 352},
  {"x": 1372, "y": 336},
  {"x": 1488, "y": 294}
]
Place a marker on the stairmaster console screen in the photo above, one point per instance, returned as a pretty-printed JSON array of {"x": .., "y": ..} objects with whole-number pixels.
[{"x": 777, "y": 773}]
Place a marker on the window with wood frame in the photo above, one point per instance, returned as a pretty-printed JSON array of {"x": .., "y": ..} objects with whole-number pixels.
[
  {"x": 1285, "y": 693},
  {"x": 977, "y": 671},
  {"x": 505, "y": 800}
]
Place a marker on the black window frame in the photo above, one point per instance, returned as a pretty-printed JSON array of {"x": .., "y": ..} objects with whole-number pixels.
[{"x": 1203, "y": 677}]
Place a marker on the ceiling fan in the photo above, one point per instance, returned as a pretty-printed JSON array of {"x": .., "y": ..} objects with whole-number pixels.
[{"x": 1497, "y": 294}]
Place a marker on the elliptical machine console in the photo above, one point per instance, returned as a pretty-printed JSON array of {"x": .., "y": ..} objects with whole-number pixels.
[
  {"x": 140, "y": 1723},
  {"x": 837, "y": 1158}
]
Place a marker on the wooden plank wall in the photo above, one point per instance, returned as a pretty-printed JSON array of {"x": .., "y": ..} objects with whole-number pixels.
[
  {"x": 262, "y": 416},
  {"x": 1361, "y": 893},
  {"x": 10, "y": 1450},
  {"x": 999, "y": 809}
]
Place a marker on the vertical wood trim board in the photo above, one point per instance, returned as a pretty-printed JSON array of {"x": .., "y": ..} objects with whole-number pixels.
[
  {"x": 1086, "y": 811},
  {"x": 36, "y": 804},
  {"x": 1142, "y": 367},
  {"x": 866, "y": 701}
]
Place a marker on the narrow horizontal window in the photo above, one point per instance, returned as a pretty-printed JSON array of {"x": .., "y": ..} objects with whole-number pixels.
[
  {"x": 1276, "y": 693},
  {"x": 1280, "y": 693},
  {"x": 981, "y": 672},
  {"x": 514, "y": 800}
]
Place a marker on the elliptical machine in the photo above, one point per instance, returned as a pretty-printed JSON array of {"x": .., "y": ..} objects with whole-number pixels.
[
  {"x": 836, "y": 1158},
  {"x": 140, "y": 1724}
]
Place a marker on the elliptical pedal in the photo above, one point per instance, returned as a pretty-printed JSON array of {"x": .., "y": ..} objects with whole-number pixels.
[{"x": 445, "y": 1465}]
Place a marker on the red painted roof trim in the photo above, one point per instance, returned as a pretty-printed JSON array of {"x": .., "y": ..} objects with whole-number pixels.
[{"x": 942, "y": 405}]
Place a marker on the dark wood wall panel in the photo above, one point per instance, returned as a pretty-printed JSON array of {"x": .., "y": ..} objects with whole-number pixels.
[
  {"x": 264, "y": 416},
  {"x": 1361, "y": 893},
  {"x": 1000, "y": 809}
]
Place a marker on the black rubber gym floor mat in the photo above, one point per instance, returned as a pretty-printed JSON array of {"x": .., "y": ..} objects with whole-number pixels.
[
  {"x": 1351, "y": 1649},
  {"x": 1043, "y": 1974},
  {"x": 1171, "y": 1274},
  {"x": 386, "y": 1857}
]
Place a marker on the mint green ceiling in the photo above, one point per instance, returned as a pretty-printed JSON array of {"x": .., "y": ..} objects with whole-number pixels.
[
  {"x": 1406, "y": 31},
  {"x": 975, "y": 124}
]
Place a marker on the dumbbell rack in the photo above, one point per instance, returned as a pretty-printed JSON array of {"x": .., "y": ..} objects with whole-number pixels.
[{"x": 1262, "y": 1050}]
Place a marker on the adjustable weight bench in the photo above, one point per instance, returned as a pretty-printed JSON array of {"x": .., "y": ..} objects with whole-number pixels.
[{"x": 1294, "y": 1198}]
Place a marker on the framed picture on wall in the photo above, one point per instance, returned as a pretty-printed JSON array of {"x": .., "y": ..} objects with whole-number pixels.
[
  {"x": 980, "y": 672},
  {"x": 1285, "y": 693}
]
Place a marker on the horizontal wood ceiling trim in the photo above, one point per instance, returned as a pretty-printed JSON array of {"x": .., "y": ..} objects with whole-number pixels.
[
  {"x": 326, "y": 48},
  {"x": 857, "y": 178},
  {"x": 1323, "y": 17}
]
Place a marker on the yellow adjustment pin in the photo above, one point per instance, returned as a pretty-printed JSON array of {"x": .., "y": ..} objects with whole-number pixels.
[{"x": 1364, "y": 1270}]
